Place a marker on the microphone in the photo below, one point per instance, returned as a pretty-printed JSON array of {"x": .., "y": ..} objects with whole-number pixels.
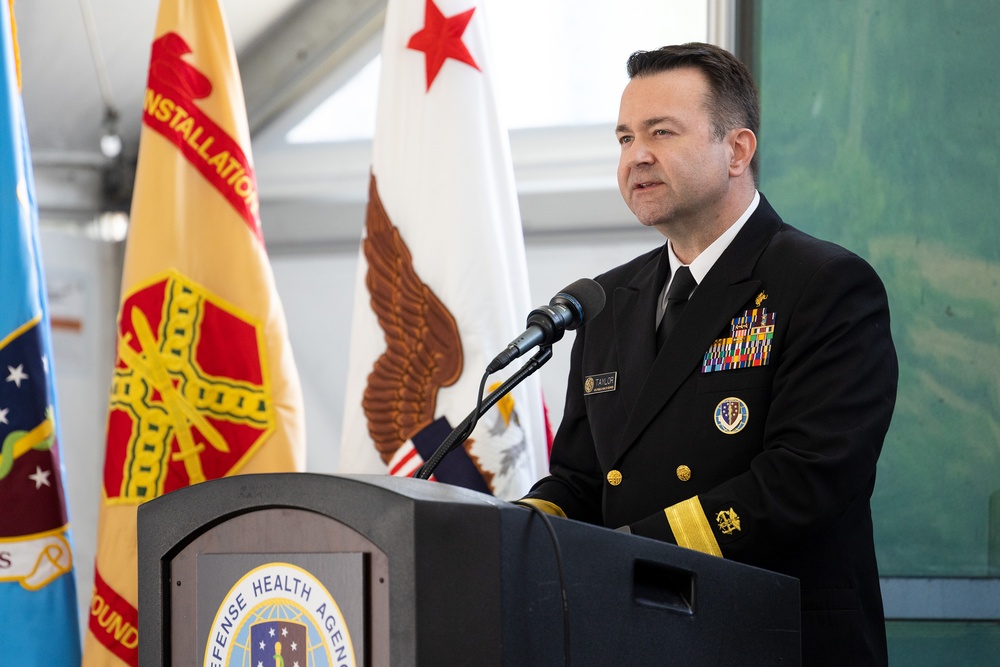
[{"x": 570, "y": 309}]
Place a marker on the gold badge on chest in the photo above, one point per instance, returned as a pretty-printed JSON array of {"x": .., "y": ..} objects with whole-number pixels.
[{"x": 731, "y": 415}]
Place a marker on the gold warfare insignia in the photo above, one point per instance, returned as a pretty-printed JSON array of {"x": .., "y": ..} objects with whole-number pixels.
[
  {"x": 598, "y": 384},
  {"x": 729, "y": 521},
  {"x": 761, "y": 298},
  {"x": 731, "y": 415}
]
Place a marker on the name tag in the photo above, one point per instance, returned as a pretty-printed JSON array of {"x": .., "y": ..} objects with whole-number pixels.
[{"x": 598, "y": 384}]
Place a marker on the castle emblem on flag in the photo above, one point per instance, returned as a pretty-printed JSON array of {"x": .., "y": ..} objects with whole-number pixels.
[{"x": 190, "y": 398}]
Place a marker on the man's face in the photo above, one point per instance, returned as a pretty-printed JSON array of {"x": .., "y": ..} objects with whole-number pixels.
[{"x": 673, "y": 173}]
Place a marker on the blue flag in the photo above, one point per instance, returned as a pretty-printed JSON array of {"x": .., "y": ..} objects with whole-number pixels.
[{"x": 37, "y": 590}]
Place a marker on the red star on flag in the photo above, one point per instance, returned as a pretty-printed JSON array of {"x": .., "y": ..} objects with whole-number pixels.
[{"x": 441, "y": 38}]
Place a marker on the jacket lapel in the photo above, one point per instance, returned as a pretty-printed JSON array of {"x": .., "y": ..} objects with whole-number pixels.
[
  {"x": 725, "y": 289},
  {"x": 635, "y": 326}
]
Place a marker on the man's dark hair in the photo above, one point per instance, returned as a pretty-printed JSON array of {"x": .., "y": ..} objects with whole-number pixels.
[{"x": 733, "y": 101}]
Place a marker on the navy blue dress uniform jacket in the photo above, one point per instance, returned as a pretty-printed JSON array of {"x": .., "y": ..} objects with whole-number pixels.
[{"x": 754, "y": 432}]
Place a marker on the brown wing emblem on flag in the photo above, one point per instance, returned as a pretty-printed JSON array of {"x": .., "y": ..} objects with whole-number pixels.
[{"x": 423, "y": 346}]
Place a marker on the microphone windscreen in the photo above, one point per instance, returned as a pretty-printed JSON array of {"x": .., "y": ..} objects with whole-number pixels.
[{"x": 587, "y": 298}]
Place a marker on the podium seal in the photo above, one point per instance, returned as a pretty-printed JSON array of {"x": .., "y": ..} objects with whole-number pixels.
[{"x": 279, "y": 614}]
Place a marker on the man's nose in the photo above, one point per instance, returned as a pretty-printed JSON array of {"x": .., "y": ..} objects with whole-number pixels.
[{"x": 639, "y": 153}]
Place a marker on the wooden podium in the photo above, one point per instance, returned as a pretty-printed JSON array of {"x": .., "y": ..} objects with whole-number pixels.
[{"x": 376, "y": 570}]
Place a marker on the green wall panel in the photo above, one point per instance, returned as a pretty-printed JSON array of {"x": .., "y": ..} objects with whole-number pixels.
[
  {"x": 880, "y": 132},
  {"x": 926, "y": 644}
]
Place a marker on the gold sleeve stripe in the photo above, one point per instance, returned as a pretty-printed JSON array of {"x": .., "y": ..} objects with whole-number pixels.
[
  {"x": 691, "y": 529},
  {"x": 543, "y": 505}
]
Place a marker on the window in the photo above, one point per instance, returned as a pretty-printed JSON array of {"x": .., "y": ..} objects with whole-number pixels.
[{"x": 557, "y": 63}]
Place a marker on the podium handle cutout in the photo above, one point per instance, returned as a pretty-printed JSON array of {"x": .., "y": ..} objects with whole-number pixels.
[{"x": 663, "y": 587}]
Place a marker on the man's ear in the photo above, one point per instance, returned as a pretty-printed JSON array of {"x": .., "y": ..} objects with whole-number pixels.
[{"x": 744, "y": 145}]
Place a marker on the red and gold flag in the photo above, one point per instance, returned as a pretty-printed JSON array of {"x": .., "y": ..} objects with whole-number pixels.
[{"x": 204, "y": 383}]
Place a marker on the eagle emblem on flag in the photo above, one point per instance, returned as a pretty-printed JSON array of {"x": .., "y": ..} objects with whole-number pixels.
[
  {"x": 423, "y": 346},
  {"x": 423, "y": 354}
]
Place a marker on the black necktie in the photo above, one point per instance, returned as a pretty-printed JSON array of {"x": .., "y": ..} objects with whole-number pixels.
[{"x": 677, "y": 296}]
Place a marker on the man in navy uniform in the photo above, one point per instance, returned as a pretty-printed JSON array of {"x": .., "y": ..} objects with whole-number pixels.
[{"x": 733, "y": 395}]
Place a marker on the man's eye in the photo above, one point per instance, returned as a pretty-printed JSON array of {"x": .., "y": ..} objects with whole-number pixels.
[
  {"x": 662, "y": 133},
  {"x": 624, "y": 140}
]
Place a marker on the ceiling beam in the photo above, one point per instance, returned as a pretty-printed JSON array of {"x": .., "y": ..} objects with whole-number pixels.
[{"x": 295, "y": 64}]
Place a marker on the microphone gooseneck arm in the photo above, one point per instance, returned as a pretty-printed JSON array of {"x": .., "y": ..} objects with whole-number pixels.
[{"x": 461, "y": 432}]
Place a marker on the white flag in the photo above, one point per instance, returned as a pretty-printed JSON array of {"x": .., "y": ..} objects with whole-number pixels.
[{"x": 442, "y": 279}]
